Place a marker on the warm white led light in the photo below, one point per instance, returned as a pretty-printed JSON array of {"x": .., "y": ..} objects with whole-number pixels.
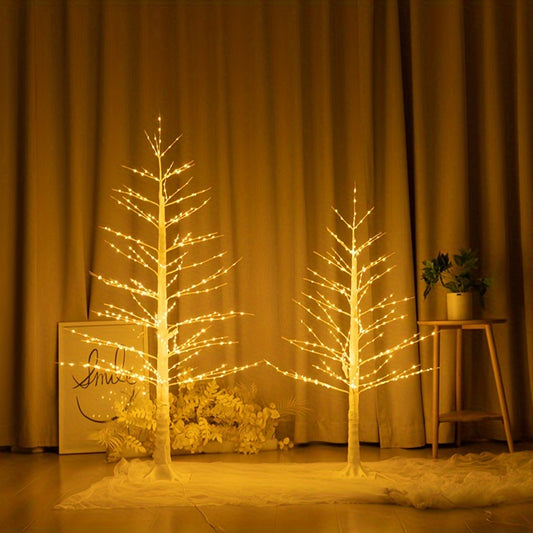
[
  {"x": 346, "y": 327},
  {"x": 164, "y": 255}
]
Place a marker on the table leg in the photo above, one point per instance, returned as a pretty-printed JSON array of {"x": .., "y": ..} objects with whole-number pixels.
[
  {"x": 499, "y": 386},
  {"x": 458, "y": 381},
  {"x": 436, "y": 371}
]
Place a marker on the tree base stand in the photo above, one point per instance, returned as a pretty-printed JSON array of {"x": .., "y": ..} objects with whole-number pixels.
[{"x": 166, "y": 472}]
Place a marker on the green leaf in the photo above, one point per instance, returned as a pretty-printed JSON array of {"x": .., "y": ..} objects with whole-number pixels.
[{"x": 456, "y": 277}]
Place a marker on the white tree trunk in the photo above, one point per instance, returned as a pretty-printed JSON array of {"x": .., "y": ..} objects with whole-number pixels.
[
  {"x": 354, "y": 468},
  {"x": 162, "y": 457}
]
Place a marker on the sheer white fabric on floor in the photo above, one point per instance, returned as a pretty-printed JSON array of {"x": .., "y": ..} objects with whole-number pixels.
[{"x": 463, "y": 481}]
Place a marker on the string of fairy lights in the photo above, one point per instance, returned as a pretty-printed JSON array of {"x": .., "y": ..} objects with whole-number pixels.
[
  {"x": 349, "y": 355},
  {"x": 344, "y": 363},
  {"x": 165, "y": 257}
]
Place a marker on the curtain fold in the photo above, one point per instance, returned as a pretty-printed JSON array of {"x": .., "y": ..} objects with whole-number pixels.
[
  {"x": 424, "y": 106},
  {"x": 466, "y": 69}
]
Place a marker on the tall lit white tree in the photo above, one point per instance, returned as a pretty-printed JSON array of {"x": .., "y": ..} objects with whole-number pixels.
[
  {"x": 346, "y": 325},
  {"x": 163, "y": 253}
]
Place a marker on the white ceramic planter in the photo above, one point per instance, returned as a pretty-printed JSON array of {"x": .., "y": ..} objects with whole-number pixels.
[{"x": 459, "y": 305}]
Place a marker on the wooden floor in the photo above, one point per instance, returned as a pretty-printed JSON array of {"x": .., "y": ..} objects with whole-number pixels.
[{"x": 31, "y": 484}]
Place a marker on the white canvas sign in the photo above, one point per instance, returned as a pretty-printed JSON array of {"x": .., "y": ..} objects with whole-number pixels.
[{"x": 87, "y": 395}]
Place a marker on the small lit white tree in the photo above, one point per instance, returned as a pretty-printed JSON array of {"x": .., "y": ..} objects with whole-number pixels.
[
  {"x": 347, "y": 325},
  {"x": 164, "y": 254}
]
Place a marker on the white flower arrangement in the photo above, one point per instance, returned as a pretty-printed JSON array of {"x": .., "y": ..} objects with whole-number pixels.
[{"x": 200, "y": 414}]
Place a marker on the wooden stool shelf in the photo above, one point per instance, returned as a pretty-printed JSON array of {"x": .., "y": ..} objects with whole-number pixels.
[
  {"x": 468, "y": 416},
  {"x": 460, "y": 415}
]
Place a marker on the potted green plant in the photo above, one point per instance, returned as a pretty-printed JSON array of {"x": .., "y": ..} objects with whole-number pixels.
[{"x": 459, "y": 278}]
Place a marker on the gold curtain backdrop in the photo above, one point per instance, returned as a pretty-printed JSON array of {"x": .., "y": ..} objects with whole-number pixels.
[{"x": 284, "y": 106}]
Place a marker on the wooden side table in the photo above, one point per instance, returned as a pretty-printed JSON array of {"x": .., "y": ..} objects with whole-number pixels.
[{"x": 460, "y": 415}]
